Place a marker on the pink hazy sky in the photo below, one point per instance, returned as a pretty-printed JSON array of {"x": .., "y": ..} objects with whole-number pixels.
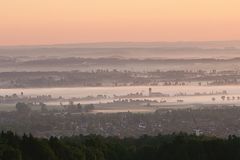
[{"x": 75, "y": 21}]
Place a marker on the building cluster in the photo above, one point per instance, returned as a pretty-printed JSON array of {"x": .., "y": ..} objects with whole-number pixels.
[{"x": 212, "y": 121}]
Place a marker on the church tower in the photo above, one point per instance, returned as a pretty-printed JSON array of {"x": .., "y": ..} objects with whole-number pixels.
[{"x": 150, "y": 92}]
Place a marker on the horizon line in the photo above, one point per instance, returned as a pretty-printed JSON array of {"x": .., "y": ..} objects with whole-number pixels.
[{"x": 113, "y": 42}]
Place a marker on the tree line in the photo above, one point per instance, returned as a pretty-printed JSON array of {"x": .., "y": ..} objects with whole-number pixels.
[{"x": 93, "y": 147}]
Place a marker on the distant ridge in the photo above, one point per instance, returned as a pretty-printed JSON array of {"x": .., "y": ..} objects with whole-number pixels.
[
  {"x": 141, "y": 50},
  {"x": 204, "y": 44}
]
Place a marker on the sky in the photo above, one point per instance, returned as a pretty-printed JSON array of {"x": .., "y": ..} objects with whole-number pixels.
[{"x": 27, "y": 22}]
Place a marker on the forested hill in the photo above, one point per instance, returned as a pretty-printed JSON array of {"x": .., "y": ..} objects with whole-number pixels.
[{"x": 168, "y": 147}]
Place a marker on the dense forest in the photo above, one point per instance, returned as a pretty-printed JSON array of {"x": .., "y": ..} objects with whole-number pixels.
[{"x": 93, "y": 147}]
